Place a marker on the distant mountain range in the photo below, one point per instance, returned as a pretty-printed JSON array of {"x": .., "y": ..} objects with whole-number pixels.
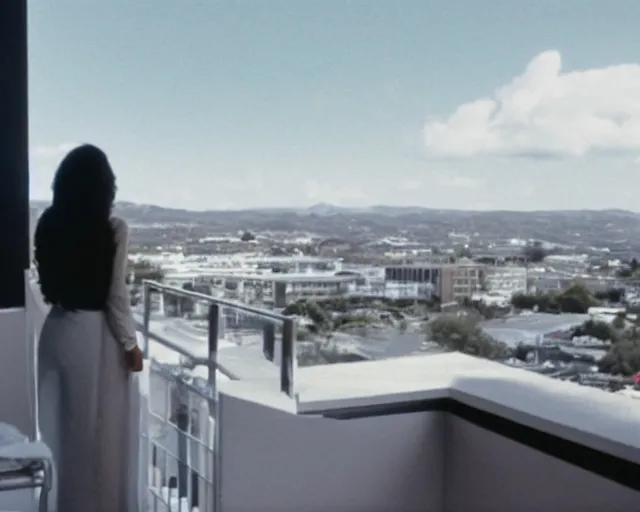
[
  {"x": 324, "y": 209},
  {"x": 617, "y": 229}
]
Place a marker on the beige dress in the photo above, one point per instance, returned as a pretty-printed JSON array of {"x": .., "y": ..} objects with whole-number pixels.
[{"x": 86, "y": 412}]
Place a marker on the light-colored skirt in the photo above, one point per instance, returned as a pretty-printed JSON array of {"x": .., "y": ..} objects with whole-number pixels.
[{"x": 87, "y": 414}]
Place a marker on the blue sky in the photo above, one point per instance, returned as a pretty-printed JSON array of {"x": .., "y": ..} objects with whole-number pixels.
[{"x": 214, "y": 104}]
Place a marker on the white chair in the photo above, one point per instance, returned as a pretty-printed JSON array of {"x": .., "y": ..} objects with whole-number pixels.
[{"x": 24, "y": 464}]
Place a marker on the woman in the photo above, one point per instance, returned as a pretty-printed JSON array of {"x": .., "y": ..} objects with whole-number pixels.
[{"x": 87, "y": 347}]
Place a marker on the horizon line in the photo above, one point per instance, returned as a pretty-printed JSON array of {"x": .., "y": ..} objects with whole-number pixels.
[{"x": 360, "y": 209}]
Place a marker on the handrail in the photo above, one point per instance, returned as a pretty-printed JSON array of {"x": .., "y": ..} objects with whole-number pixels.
[
  {"x": 241, "y": 306},
  {"x": 197, "y": 360},
  {"x": 216, "y": 325}
]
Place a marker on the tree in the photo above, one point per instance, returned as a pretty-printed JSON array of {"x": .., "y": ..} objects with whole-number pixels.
[
  {"x": 576, "y": 299},
  {"x": 625, "y": 272},
  {"x": 596, "y": 329},
  {"x": 309, "y": 250},
  {"x": 464, "y": 252},
  {"x": 463, "y": 334},
  {"x": 535, "y": 252},
  {"x": 145, "y": 270},
  {"x": 489, "y": 311},
  {"x": 311, "y": 309},
  {"x": 614, "y": 295},
  {"x": 571, "y": 304},
  {"x": 298, "y": 308},
  {"x": 619, "y": 322},
  {"x": 623, "y": 358},
  {"x": 318, "y": 315},
  {"x": 522, "y": 351},
  {"x": 524, "y": 301},
  {"x": 186, "y": 304}
]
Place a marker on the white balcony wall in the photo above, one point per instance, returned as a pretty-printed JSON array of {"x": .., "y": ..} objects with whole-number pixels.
[
  {"x": 15, "y": 388},
  {"x": 417, "y": 462},
  {"x": 15, "y": 393},
  {"x": 275, "y": 460},
  {"x": 487, "y": 472},
  {"x": 18, "y": 329}
]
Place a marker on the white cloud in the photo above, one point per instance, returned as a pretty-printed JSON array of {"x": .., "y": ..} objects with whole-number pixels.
[
  {"x": 55, "y": 151},
  {"x": 546, "y": 112}
]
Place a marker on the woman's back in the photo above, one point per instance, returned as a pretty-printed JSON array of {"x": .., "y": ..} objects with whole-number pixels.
[
  {"x": 88, "y": 340},
  {"x": 74, "y": 256}
]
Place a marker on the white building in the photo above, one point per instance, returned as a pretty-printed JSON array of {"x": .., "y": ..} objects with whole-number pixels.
[{"x": 506, "y": 280}]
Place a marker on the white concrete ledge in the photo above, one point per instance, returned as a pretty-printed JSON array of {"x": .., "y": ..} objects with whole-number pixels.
[{"x": 591, "y": 417}]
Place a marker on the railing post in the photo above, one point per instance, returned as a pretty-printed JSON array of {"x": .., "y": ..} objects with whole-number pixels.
[
  {"x": 146, "y": 290},
  {"x": 183, "y": 417},
  {"x": 269, "y": 340},
  {"x": 287, "y": 361},
  {"x": 214, "y": 321}
]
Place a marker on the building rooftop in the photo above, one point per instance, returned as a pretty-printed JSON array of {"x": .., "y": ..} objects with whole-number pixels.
[
  {"x": 275, "y": 277},
  {"x": 430, "y": 264}
]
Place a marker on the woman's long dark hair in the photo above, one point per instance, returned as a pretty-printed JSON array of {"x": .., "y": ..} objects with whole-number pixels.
[{"x": 74, "y": 240}]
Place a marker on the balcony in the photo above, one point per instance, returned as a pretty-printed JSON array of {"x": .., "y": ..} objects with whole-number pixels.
[
  {"x": 437, "y": 433},
  {"x": 240, "y": 428}
]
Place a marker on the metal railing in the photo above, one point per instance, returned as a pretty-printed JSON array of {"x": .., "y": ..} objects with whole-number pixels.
[
  {"x": 216, "y": 327},
  {"x": 182, "y": 427},
  {"x": 180, "y": 450}
]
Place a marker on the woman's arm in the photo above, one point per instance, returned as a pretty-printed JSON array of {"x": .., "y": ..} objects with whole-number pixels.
[{"x": 119, "y": 315}]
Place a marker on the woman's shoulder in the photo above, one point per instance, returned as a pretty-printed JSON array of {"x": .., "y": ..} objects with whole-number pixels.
[{"x": 120, "y": 227}]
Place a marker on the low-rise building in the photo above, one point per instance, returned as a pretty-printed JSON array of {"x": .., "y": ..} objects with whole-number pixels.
[
  {"x": 506, "y": 280},
  {"x": 450, "y": 281}
]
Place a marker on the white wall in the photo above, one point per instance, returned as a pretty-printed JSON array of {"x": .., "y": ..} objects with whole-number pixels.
[
  {"x": 15, "y": 381},
  {"x": 485, "y": 472},
  {"x": 276, "y": 461},
  {"x": 421, "y": 462},
  {"x": 15, "y": 391},
  {"x": 36, "y": 312}
]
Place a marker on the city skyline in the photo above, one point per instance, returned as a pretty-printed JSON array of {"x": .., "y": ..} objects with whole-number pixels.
[{"x": 355, "y": 104}]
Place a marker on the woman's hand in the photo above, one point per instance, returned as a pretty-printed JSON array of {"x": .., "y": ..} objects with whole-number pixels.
[{"x": 134, "y": 359}]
